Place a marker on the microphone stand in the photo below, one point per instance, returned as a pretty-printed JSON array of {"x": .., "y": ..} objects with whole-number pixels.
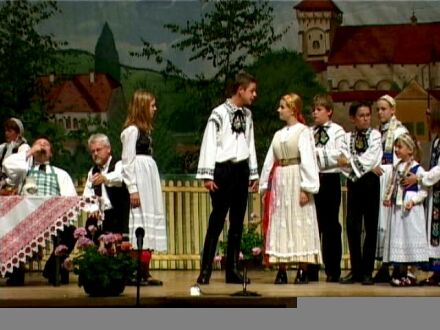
[
  {"x": 245, "y": 292},
  {"x": 138, "y": 277},
  {"x": 140, "y": 232}
]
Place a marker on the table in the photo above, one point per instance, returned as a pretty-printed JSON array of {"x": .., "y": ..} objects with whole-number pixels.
[{"x": 26, "y": 223}]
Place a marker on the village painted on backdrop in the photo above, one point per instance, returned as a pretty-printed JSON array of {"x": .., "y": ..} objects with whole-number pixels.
[{"x": 79, "y": 91}]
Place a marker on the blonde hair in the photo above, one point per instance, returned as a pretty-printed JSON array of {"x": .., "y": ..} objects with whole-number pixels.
[
  {"x": 388, "y": 99},
  {"x": 139, "y": 113},
  {"x": 323, "y": 100},
  {"x": 295, "y": 103}
]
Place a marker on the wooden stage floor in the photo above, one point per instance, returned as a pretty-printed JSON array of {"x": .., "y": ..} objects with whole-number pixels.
[{"x": 176, "y": 292}]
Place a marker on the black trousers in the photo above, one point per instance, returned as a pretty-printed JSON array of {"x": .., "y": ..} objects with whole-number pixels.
[
  {"x": 232, "y": 180},
  {"x": 362, "y": 208},
  {"x": 327, "y": 202}
]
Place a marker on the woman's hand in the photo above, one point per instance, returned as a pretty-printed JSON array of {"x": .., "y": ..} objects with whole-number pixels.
[
  {"x": 304, "y": 198},
  {"x": 409, "y": 180},
  {"x": 409, "y": 205},
  {"x": 135, "y": 201}
]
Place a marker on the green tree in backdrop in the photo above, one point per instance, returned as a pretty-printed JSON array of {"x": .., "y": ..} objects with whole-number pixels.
[
  {"x": 230, "y": 35},
  {"x": 106, "y": 55},
  {"x": 24, "y": 53}
]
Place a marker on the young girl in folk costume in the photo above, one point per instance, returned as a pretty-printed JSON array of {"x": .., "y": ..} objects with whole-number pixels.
[
  {"x": 431, "y": 179},
  {"x": 406, "y": 242},
  {"x": 390, "y": 128},
  {"x": 292, "y": 234},
  {"x": 141, "y": 176}
]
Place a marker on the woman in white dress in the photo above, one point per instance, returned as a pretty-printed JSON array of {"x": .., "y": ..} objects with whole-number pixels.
[
  {"x": 141, "y": 176},
  {"x": 289, "y": 178},
  {"x": 406, "y": 240}
]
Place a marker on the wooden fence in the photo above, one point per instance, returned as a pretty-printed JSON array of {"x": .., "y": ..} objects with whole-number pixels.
[{"x": 187, "y": 206}]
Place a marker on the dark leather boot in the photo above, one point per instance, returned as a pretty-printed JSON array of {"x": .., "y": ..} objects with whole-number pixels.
[
  {"x": 232, "y": 273},
  {"x": 16, "y": 278},
  {"x": 281, "y": 277},
  {"x": 209, "y": 249}
]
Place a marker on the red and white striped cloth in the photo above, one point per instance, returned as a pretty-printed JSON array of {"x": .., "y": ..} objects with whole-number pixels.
[{"x": 28, "y": 222}]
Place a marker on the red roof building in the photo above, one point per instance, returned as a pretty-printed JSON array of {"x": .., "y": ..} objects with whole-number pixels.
[
  {"x": 366, "y": 61},
  {"x": 71, "y": 99}
]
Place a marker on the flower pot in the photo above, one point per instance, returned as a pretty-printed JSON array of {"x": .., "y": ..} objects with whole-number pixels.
[{"x": 96, "y": 289}]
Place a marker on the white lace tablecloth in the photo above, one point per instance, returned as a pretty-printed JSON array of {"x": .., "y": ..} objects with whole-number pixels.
[{"x": 28, "y": 222}]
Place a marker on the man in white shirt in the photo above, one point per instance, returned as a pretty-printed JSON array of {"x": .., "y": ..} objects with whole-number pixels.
[
  {"x": 105, "y": 180},
  {"x": 228, "y": 165},
  {"x": 32, "y": 173}
]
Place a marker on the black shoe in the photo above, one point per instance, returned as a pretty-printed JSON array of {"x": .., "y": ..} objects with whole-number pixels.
[
  {"x": 204, "y": 277},
  {"x": 281, "y": 277},
  {"x": 16, "y": 278},
  {"x": 301, "y": 277},
  {"x": 313, "y": 272},
  {"x": 64, "y": 276},
  {"x": 235, "y": 277},
  {"x": 367, "y": 280},
  {"x": 350, "y": 279},
  {"x": 332, "y": 279}
]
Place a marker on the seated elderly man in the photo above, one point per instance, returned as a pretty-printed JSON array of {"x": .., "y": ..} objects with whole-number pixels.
[
  {"x": 34, "y": 175},
  {"x": 105, "y": 181}
]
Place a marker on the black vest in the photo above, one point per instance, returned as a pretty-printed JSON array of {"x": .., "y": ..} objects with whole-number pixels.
[{"x": 116, "y": 219}]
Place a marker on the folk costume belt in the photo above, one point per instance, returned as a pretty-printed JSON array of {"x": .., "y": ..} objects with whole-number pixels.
[{"x": 290, "y": 161}]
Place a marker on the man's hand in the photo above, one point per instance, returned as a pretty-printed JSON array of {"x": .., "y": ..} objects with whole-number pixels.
[
  {"x": 377, "y": 170},
  {"x": 210, "y": 185},
  {"x": 342, "y": 161},
  {"x": 98, "y": 179},
  {"x": 254, "y": 185}
]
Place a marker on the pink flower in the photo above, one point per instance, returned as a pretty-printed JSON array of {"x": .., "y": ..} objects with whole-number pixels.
[
  {"x": 108, "y": 238},
  {"x": 241, "y": 256},
  {"x": 60, "y": 250},
  {"x": 68, "y": 264},
  {"x": 117, "y": 237},
  {"x": 84, "y": 242},
  {"x": 256, "y": 251},
  {"x": 102, "y": 250},
  {"x": 79, "y": 232},
  {"x": 217, "y": 258}
]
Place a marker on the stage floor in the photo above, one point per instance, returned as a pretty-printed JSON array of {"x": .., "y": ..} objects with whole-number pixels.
[{"x": 176, "y": 292}]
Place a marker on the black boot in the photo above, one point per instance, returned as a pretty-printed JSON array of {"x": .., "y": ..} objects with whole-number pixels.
[
  {"x": 209, "y": 249},
  {"x": 281, "y": 277},
  {"x": 232, "y": 273},
  {"x": 16, "y": 278}
]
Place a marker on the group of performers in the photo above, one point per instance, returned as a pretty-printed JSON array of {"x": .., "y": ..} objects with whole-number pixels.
[
  {"x": 392, "y": 204},
  {"x": 300, "y": 185}
]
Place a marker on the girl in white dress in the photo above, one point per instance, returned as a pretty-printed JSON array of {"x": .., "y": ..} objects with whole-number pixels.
[
  {"x": 289, "y": 178},
  {"x": 406, "y": 241},
  {"x": 140, "y": 174}
]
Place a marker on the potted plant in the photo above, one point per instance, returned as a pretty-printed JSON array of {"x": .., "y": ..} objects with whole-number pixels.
[
  {"x": 103, "y": 268},
  {"x": 251, "y": 246}
]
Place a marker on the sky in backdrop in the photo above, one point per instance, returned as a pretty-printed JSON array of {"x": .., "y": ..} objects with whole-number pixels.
[{"x": 81, "y": 22}]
